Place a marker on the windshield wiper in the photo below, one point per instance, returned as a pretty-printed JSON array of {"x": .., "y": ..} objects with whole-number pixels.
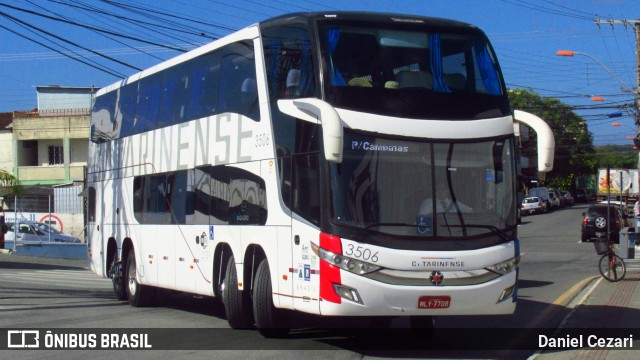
[
  {"x": 367, "y": 228},
  {"x": 502, "y": 234}
]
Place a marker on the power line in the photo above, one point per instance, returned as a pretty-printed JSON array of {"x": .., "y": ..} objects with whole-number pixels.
[
  {"x": 60, "y": 52},
  {"x": 93, "y": 28},
  {"x": 67, "y": 41}
]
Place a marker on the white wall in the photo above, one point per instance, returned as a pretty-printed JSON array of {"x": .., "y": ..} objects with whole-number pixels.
[{"x": 6, "y": 151}]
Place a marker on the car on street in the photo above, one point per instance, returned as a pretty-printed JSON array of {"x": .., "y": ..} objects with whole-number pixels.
[
  {"x": 595, "y": 222},
  {"x": 37, "y": 231},
  {"x": 554, "y": 201},
  {"x": 568, "y": 198},
  {"x": 559, "y": 196},
  {"x": 533, "y": 205},
  {"x": 542, "y": 193}
]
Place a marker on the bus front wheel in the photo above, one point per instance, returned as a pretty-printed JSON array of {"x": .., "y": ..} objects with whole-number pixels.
[{"x": 268, "y": 321}]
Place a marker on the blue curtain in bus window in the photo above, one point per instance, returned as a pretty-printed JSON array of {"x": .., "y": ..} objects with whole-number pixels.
[
  {"x": 436, "y": 64},
  {"x": 333, "y": 38},
  {"x": 487, "y": 69}
]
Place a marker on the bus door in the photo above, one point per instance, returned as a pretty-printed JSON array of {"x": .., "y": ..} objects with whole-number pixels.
[
  {"x": 93, "y": 235},
  {"x": 305, "y": 203}
]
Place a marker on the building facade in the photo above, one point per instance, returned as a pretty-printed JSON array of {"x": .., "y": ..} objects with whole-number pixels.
[{"x": 50, "y": 144}]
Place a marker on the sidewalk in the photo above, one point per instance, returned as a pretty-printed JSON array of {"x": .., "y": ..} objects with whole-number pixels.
[
  {"x": 8, "y": 260},
  {"x": 603, "y": 308}
]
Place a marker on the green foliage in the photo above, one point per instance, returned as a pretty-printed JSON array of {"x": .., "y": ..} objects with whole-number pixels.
[
  {"x": 9, "y": 184},
  {"x": 574, "y": 150},
  {"x": 617, "y": 156}
]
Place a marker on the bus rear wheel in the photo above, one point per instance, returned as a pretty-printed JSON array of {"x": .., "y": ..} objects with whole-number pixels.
[
  {"x": 138, "y": 295},
  {"x": 233, "y": 299},
  {"x": 117, "y": 278},
  {"x": 268, "y": 319}
]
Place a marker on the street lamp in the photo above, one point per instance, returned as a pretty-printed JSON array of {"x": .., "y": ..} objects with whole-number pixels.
[{"x": 572, "y": 53}]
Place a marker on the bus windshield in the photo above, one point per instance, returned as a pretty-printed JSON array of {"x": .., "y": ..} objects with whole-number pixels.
[
  {"x": 424, "y": 190},
  {"x": 411, "y": 70}
]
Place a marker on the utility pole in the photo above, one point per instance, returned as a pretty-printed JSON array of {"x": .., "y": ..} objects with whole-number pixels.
[{"x": 636, "y": 25}]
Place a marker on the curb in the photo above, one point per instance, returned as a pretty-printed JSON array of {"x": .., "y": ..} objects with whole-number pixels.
[{"x": 566, "y": 300}]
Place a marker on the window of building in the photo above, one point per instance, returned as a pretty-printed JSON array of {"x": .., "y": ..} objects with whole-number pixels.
[{"x": 56, "y": 155}]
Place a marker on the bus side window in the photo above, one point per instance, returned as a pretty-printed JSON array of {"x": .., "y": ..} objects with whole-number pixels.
[
  {"x": 239, "y": 91},
  {"x": 306, "y": 186},
  {"x": 204, "y": 98}
]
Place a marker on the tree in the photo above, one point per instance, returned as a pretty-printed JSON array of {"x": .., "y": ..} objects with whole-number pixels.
[
  {"x": 574, "y": 151},
  {"x": 9, "y": 183},
  {"x": 617, "y": 156}
]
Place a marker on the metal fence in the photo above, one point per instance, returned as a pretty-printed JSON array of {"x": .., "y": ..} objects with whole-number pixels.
[{"x": 62, "y": 209}]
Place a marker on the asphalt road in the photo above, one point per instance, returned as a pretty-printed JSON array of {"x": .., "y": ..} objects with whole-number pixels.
[{"x": 44, "y": 293}]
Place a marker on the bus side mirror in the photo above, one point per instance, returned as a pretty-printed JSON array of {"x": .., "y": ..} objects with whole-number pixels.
[
  {"x": 546, "y": 141},
  {"x": 318, "y": 112}
]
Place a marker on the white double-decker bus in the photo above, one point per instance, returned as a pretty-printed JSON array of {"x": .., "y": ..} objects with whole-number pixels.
[{"x": 337, "y": 164}]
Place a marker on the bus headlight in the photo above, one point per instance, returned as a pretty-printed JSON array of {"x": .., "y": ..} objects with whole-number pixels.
[
  {"x": 505, "y": 267},
  {"x": 344, "y": 262}
]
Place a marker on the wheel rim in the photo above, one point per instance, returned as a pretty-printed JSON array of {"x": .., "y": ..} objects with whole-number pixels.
[
  {"x": 131, "y": 273},
  {"x": 600, "y": 222},
  {"x": 612, "y": 269}
]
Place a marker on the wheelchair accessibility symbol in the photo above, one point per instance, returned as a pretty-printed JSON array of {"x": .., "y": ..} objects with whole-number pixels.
[{"x": 424, "y": 225}]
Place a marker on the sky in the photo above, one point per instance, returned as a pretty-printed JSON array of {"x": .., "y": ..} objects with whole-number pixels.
[{"x": 114, "y": 38}]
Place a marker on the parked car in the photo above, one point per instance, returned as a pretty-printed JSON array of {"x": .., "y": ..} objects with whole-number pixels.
[
  {"x": 554, "y": 201},
  {"x": 626, "y": 208},
  {"x": 594, "y": 222},
  {"x": 558, "y": 195},
  {"x": 568, "y": 198},
  {"x": 37, "y": 231},
  {"x": 542, "y": 193},
  {"x": 533, "y": 205}
]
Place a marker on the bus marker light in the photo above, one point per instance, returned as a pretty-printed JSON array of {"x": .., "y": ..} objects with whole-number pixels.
[
  {"x": 348, "y": 293},
  {"x": 506, "y": 293}
]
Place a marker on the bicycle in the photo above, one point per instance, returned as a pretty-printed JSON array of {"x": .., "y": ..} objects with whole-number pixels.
[{"x": 611, "y": 266}]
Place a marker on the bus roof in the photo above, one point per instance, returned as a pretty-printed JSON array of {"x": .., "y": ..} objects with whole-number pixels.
[
  {"x": 251, "y": 31},
  {"x": 376, "y": 17}
]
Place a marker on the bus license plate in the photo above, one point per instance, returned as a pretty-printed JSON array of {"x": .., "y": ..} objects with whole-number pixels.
[{"x": 434, "y": 302}]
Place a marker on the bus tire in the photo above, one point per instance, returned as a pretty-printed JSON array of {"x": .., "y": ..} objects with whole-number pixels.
[
  {"x": 117, "y": 278},
  {"x": 267, "y": 317},
  {"x": 232, "y": 298},
  {"x": 138, "y": 295}
]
